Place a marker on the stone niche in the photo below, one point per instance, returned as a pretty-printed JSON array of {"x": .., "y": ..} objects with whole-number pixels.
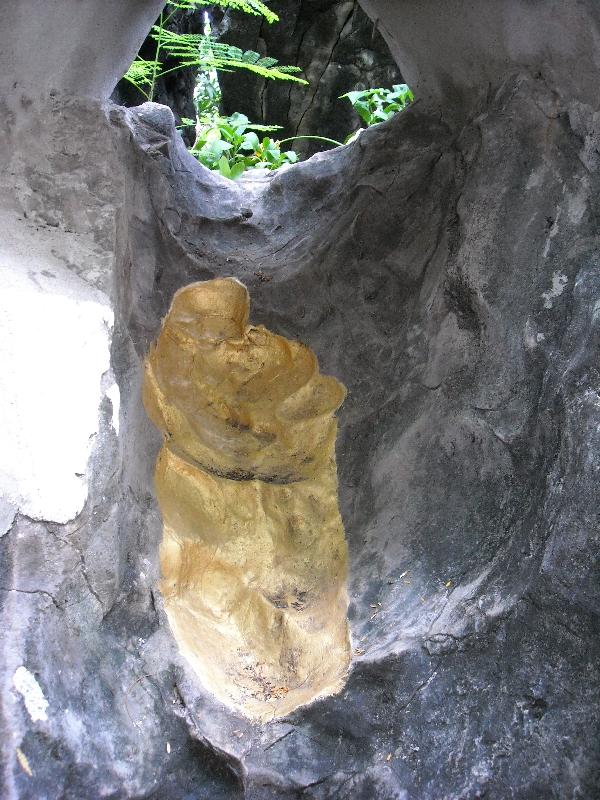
[{"x": 420, "y": 614}]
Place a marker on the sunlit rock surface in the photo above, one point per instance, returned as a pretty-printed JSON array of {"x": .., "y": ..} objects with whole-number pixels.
[
  {"x": 253, "y": 556},
  {"x": 445, "y": 269}
]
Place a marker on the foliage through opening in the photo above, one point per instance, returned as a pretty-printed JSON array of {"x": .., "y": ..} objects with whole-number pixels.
[{"x": 231, "y": 145}]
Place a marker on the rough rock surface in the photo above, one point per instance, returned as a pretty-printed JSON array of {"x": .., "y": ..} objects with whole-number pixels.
[{"x": 445, "y": 268}]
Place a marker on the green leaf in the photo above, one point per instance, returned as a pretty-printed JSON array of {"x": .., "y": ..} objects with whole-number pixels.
[
  {"x": 353, "y": 96},
  {"x": 255, "y": 7},
  {"x": 251, "y": 57},
  {"x": 251, "y": 142},
  {"x": 352, "y": 137},
  {"x": 254, "y": 127},
  {"x": 227, "y": 132},
  {"x": 379, "y": 104},
  {"x": 237, "y": 170},
  {"x": 217, "y": 149},
  {"x": 201, "y": 157},
  {"x": 363, "y": 111},
  {"x": 237, "y": 119},
  {"x": 224, "y": 168},
  {"x": 271, "y": 154},
  {"x": 140, "y": 73}
]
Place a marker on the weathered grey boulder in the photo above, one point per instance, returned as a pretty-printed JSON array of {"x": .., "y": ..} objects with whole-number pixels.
[{"x": 445, "y": 267}]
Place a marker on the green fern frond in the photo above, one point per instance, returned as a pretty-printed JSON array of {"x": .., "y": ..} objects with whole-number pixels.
[
  {"x": 140, "y": 73},
  {"x": 251, "y": 57},
  {"x": 255, "y": 7},
  {"x": 267, "y": 61},
  {"x": 279, "y": 73},
  {"x": 204, "y": 52},
  {"x": 226, "y": 56}
]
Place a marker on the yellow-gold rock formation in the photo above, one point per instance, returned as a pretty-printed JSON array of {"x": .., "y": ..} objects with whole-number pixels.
[{"x": 253, "y": 557}]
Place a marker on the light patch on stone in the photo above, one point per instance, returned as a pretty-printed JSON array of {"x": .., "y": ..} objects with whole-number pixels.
[
  {"x": 8, "y": 512},
  {"x": 73, "y": 731},
  {"x": 552, "y": 233},
  {"x": 31, "y": 692},
  {"x": 114, "y": 395},
  {"x": 536, "y": 177},
  {"x": 54, "y": 349},
  {"x": 24, "y": 762},
  {"x": 577, "y": 203},
  {"x": 559, "y": 281},
  {"x": 532, "y": 337}
]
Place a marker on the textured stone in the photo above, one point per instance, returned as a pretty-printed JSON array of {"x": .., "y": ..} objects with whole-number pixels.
[
  {"x": 444, "y": 267},
  {"x": 80, "y": 48}
]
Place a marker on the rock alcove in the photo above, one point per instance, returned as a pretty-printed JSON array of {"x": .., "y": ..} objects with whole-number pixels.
[{"x": 444, "y": 268}]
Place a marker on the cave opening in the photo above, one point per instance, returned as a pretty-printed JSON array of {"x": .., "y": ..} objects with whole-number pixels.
[
  {"x": 319, "y": 58},
  {"x": 254, "y": 563}
]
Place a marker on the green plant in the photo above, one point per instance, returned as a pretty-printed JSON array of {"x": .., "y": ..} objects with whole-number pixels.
[
  {"x": 318, "y": 138},
  {"x": 207, "y": 95},
  {"x": 230, "y": 145},
  {"x": 377, "y": 105},
  {"x": 202, "y": 50}
]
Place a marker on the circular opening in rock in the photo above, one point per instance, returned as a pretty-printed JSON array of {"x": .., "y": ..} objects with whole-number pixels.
[{"x": 265, "y": 89}]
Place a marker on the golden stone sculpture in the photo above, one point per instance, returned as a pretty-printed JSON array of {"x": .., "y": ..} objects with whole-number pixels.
[{"x": 253, "y": 557}]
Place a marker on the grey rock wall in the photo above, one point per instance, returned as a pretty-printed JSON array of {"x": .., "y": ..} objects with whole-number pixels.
[
  {"x": 455, "y": 53},
  {"x": 78, "y": 48},
  {"x": 445, "y": 268}
]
